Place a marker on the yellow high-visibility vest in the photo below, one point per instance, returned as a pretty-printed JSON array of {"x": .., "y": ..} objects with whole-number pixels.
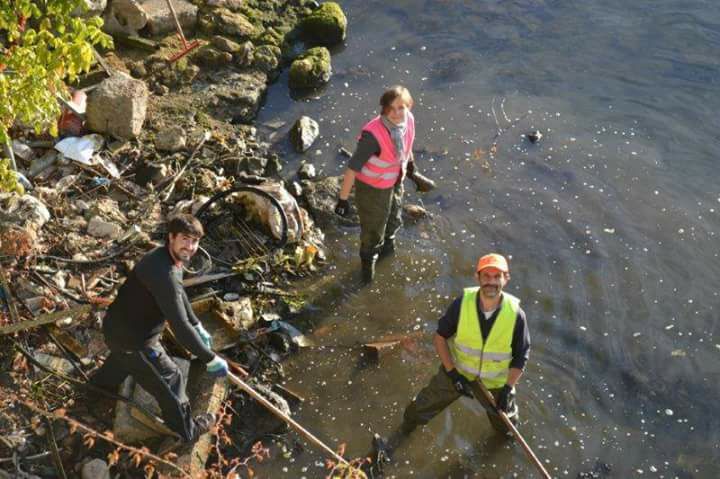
[{"x": 488, "y": 360}]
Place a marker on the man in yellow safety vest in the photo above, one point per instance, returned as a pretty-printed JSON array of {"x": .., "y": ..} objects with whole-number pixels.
[{"x": 483, "y": 335}]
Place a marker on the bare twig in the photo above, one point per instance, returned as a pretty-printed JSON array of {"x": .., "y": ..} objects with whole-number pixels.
[
  {"x": 171, "y": 185},
  {"x": 8, "y": 295},
  {"x": 90, "y": 261},
  {"x": 53, "y": 447},
  {"x": 60, "y": 414}
]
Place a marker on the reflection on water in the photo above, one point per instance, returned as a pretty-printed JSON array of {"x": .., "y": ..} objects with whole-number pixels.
[{"x": 610, "y": 221}]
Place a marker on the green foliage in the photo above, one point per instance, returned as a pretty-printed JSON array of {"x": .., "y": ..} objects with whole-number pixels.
[
  {"x": 41, "y": 46},
  {"x": 8, "y": 180}
]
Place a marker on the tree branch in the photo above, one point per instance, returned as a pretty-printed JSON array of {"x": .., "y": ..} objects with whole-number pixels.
[{"x": 60, "y": 414}]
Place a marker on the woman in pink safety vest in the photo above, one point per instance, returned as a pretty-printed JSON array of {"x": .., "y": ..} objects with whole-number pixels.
[{"x": 382, "y": 158}]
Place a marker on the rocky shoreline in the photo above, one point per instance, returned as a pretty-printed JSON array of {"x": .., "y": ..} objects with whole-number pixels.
[{"x": 144, "y": 137}]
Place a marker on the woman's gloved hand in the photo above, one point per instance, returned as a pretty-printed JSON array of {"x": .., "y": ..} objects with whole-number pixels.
[{"x": 342, "y": 208}]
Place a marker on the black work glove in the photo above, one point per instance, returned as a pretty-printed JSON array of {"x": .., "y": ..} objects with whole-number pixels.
[
  {"x": 342, "y": 208},
  {"x": 461, "y": 383},
  {"x": 410, "y": 168},
  {"x": 504, "y": 398}
]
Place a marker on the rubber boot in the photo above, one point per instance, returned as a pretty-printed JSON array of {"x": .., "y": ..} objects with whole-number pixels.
[
  {"x": 388, "y": 248},
  {"x": 396, "y": 439},
  {"x": 368, "y": 268}
]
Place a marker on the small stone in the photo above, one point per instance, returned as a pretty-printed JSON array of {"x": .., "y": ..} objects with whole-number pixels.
[
  {"x": 295, "y": 189},
  {"x": 225, "y": 44},
  {"x": 534, "y": 136},
  {"x": 95, "y": 469},
  {"x": 103, "y": 229},
  {"x": 307, "y": 172},
  {"x": 171, "y": 139},
  {"x": 304, "y": 133}
]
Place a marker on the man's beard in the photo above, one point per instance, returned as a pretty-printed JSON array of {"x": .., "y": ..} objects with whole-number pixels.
[
  {"x": 183, "y": 256},
  {"x": 490, "y": 291}
]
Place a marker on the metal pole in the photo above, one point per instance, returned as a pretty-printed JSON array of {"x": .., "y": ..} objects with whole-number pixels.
[
  {"x": 516, "y": 433},
  {"x": 304, "y": 432}
]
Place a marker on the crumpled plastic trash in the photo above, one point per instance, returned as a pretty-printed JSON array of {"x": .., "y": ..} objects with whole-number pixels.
[{"x": 80, "y": 148}]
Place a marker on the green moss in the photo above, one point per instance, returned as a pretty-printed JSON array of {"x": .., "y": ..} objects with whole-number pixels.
[
  {"x": 204, "y": 120},
  {"x": 269, "y": 37},
  {"x": 266, "y": 57},
  {"x": 325, "y": 26},
  {"x": 311, "y": 69}
]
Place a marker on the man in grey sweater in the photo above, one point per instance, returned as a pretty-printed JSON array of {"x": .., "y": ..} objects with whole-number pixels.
[{"x": 151, "y": 296}]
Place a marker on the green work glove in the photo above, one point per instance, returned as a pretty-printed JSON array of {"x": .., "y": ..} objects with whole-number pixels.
[
  {"x": 461, "y": 383},
  {"x": 507, "y": 393},
  {"x": 218, "y": 367},
  {"x": 204, "y": 335}
]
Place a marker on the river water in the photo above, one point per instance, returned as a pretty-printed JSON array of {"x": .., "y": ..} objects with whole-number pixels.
[{"x": 611, "y": 223}]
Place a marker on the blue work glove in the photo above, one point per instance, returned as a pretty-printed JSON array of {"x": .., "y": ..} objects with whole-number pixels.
[
  {"x": 505, "y": 397},
  {"x": 461, "y": 383},
  {"x": 204, "y": 335},
  {"x": 342, "y": 208},
  {"x": 218, "y": 367}
]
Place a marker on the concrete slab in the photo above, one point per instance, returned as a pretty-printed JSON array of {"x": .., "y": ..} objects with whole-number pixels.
[
  {"x": 207, "y": 395},
  {"x": 160, "y": 20},
  {"x": 133, "y": 426}
]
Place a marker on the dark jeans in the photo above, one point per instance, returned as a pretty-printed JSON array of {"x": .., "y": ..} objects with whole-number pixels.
[
  {"x": 156, "y": 372},
  {"x": 439, "y": 394},
  {"x": 380, "y": 214}
]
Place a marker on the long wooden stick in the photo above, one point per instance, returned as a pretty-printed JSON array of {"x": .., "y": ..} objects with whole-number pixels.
[
  {"x": 531, "y": 455},
  {"x": 74, "y": 313},
  {"x": 304, "y": 432}
]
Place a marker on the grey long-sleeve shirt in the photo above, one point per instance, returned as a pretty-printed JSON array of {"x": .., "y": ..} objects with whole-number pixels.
[{"x": 151, "y": 295}]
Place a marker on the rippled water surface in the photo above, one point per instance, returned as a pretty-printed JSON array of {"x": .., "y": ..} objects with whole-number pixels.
[{"x": 611, "y": 223}]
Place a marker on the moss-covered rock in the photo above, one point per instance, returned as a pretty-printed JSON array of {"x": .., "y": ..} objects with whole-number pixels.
[
  {"x": 224, "y": 22},
  {"x": 266, "y": 58},
  {"x": 208, "y": 56},
  {"x": 311, "y": 69},
  {"x": 270, "y": 37},
  {"x": 325, "y": 26}
]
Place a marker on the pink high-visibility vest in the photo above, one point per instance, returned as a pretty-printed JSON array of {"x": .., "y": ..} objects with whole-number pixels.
[{"x": 383, "y": 171}]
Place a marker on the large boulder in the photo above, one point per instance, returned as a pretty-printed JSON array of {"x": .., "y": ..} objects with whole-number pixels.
[
  {"x": 321, "y": 198},
  {"x": 160, "y": 20},
  {"x": 325, "y": 26},
  {"x": 125, "y": 16},
  {"x": 304, "y": 133},
  {"x": 118, "y": 106},
  {"x": 241, "y": 93},
  {"x": 92, "y": 8},
  {"x": 311, "y": 69}
]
